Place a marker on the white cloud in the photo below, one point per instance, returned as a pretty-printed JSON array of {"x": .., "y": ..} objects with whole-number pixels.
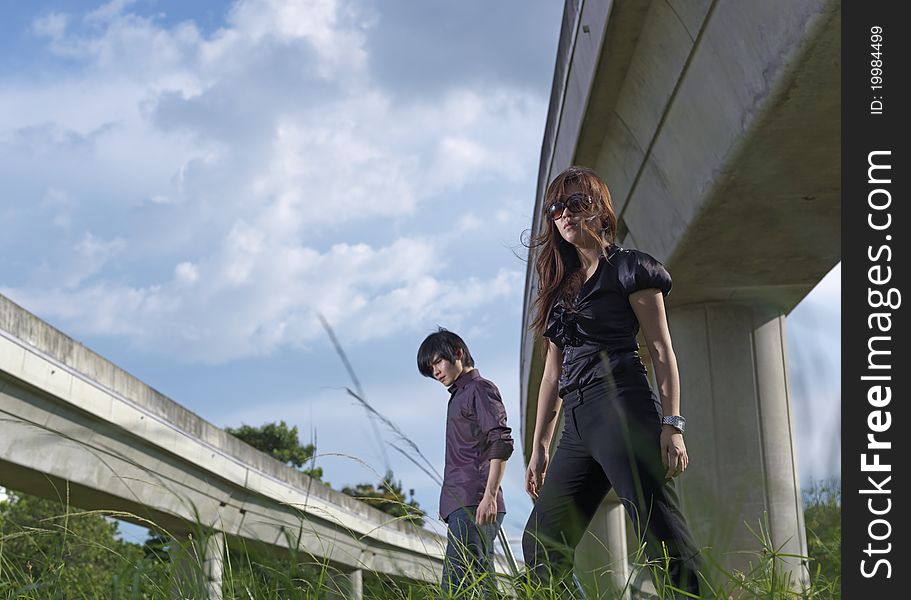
[
  {"x": 108, "y": 12},
  {"x": 328, "y": 169},
  {"x": 86, "y": 258},
  {"x": 324, "y": 24},
  {"x": 186, "y": 272},
  {"x": 256, "y": 297},
  {"x": 52, "y": 25},
  {"x": 58, "y": 204},
  {"x": 225, "y": 162},
  {"x": 469, "y": 222}
]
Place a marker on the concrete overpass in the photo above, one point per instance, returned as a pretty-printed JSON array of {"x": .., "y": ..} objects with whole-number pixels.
[
  {"x": 716, "y": 126},
  {"x": 72, "y": 422}
]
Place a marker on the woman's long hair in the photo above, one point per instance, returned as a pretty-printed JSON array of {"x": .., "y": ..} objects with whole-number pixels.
[{"x": 557, "y": 263}]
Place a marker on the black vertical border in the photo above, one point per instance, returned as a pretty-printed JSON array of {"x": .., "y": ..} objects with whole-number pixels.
[{"x": 862, "y": 133}]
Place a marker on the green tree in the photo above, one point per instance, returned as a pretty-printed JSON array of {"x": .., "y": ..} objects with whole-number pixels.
[
  {"x": 280, "y": 442},
  {"x": 389, "y": 497},
  {"x": 45, "y": 544}
]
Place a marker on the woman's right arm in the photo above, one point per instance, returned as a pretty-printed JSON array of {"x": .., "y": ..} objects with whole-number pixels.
[{"x": 546, "y": 419}]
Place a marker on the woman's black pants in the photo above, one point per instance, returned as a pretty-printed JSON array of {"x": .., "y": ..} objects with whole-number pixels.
[{"x": 611, "y": 439}]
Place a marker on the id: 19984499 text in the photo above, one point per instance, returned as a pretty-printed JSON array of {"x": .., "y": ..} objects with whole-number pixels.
[{"x": 876, "y": 70}]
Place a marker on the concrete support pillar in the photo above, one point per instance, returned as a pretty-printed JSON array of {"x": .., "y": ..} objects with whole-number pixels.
[
  {"x": 356, "y": 579},
  {"x": 341, "y": 585},
  {"x": 740, "y": 433},
  {"x": 198, "y": 566},
  {"x": 601, "y": 560},
  {"x": 214, "y": 565}
]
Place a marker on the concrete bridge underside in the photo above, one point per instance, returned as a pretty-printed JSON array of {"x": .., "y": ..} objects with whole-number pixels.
[{"x": 715, "y": 124}]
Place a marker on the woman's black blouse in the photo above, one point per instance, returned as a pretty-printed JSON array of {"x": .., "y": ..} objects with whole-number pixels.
[{"x": 601, "y": 319}]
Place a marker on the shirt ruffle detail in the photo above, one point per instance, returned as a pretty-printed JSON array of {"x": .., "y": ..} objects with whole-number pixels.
[{"x": 563, "y": 326}]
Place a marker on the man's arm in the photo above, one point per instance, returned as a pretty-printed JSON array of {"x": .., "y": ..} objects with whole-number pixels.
[
  {"x": 492, "y": 420},
  {"x": 491, "y": 416},
  {"x": 487, "y": 509}
]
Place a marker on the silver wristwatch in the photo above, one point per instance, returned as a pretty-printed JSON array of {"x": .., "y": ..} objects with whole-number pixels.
[{"x": 675, "y": 421}]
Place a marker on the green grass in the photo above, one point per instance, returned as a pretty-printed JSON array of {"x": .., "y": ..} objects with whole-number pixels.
[{"x": 51, "y": 551}]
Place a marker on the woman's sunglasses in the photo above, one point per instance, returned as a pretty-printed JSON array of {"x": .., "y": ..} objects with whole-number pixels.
[{"x": 574, "y": 203}]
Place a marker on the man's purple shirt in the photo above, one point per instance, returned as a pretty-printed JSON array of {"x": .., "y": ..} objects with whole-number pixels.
[{"x": 476, "y": 432}]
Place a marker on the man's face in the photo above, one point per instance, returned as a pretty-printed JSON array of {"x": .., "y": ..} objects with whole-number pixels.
[{"x": 447, "y": 372}]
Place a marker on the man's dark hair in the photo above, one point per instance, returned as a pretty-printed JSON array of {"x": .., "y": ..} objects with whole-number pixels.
[{"x": 442, "y": 344}]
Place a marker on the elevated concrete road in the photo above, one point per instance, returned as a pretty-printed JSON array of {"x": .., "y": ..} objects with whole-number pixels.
[
  {"x": 716, "y": 126},
  {"x": 73, "y": 423}
]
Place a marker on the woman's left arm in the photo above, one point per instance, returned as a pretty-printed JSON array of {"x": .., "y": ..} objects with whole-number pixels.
[{"x": 648, "y": 304}]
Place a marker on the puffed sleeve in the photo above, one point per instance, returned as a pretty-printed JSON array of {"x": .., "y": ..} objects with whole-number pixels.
[
  {"x": 497, "y": 439},
  {"x": 640, "y": 271}
]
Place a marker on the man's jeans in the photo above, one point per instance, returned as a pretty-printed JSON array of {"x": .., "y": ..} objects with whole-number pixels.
[{"x": 469, "y": 553}]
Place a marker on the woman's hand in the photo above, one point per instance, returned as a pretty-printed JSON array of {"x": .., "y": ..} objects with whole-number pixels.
[
  {"x": 545, "y": 420},
  {"x": 673, "y": 451},
  {"x": 534, "y": 475}
]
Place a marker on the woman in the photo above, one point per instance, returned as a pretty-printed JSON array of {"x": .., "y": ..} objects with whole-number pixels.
[{"x": 593, "y": 297}]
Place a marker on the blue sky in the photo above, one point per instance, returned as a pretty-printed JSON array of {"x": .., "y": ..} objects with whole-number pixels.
[{"x": 186, "y": 184}]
